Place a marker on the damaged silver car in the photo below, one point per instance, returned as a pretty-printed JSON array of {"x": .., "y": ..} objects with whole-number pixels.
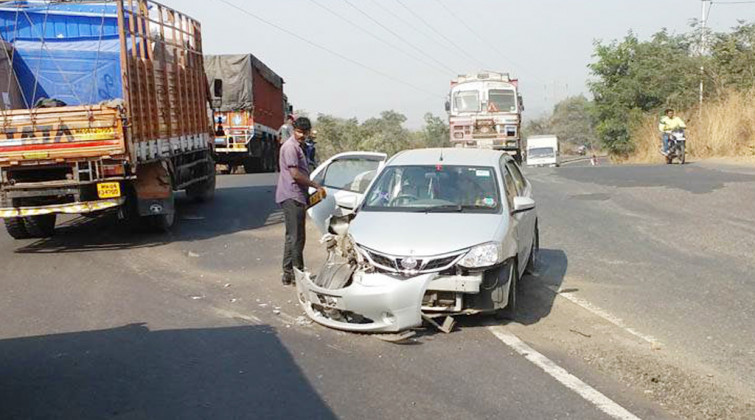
[{"x": 439, "y": 232}]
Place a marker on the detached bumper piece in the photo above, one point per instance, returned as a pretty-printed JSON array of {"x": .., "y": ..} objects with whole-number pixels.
[
  {"x": 70, "y": 208},
  {"x": 373, "y": 302}
]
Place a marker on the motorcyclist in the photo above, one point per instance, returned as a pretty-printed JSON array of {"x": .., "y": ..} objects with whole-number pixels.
[{"x": 668, "y": 124}]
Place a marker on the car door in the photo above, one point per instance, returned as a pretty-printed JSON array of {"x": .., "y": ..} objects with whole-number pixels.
[
  {"x": 526, "y": 220},
  {"x": 346, "y": 177}
]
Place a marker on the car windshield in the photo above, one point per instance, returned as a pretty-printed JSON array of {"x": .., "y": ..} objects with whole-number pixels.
[
  {"x": 467, "y": 101},
  {"x": 435, "y": 188},
  {"x": 541, "y": 152},
  {"x": 501, "y": 100}
]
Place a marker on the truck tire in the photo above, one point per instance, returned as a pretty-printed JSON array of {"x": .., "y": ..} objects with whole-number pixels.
[
  {"x": 16, "y": 228},
  {"x": 40, "y": 226},
  {"x": 205, "y": 190}
]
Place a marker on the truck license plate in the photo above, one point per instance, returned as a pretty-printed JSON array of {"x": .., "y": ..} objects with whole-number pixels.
[{"x": 109, "y": 190}]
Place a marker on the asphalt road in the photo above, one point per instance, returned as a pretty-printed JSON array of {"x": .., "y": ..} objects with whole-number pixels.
[{"x": 640, "y": 266}]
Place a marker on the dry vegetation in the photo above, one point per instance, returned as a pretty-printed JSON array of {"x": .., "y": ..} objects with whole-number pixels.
[{"x": 725, "y": 128}]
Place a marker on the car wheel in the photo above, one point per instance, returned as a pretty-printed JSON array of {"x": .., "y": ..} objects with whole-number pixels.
[
  {"x": 532, "y": 261},
  {"x": 509, "y": 312}
]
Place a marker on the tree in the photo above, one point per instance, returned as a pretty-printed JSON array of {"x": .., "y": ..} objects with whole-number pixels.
[
  {"x": 435, "y": 133},
  {"x": 634, "y": 77},
  {"x": 572, "y": 121}
]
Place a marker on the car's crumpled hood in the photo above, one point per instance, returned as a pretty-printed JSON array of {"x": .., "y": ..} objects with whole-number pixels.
[{"x": 425, "y": 234}]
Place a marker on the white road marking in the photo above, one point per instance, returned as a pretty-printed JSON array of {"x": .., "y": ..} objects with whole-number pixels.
[
  {"x": 570, "y": 381},
  {"x": 605, "y": 315}
]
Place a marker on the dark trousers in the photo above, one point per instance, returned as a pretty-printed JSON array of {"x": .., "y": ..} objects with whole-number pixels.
[{"x": 294, "y": 214}]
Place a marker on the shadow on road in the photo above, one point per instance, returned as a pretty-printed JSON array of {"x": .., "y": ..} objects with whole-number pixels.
[
  {"x": 233, "y": 210},
  {"x": 536, "y": 291},
  {"x": 132, "y": 372}
]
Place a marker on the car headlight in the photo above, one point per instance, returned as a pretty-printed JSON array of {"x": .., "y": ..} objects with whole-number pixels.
[{"x": 484, "y": 255}]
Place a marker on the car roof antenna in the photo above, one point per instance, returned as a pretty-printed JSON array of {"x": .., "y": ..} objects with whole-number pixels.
[{"x": 441, "y": 154}]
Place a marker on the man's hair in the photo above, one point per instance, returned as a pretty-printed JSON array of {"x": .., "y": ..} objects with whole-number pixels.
[
  {"x": 303, "y": 124},
  {"x": 668, "y": 110}
]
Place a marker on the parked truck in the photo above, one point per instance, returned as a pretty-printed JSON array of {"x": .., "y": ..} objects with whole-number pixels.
[
  {"x": 104, "y": 106},
  {"x": 249, "y": 107},
  {"x": 485, "y": 111}
]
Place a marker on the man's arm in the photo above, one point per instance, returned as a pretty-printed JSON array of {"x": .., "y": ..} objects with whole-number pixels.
[{"x": 303, "y": 179}]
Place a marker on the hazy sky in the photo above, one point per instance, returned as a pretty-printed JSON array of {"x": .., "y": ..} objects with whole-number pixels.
[{"x": 546, "y": 43}]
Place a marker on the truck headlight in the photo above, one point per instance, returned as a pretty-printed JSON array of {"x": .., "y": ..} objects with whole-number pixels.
[{"x": 484, "y": 255}]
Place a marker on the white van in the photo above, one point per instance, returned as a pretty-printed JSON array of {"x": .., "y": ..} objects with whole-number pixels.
[{"x": 543, "y": 151}]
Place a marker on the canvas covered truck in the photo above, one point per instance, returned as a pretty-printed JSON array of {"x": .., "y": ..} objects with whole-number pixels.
[
  {"x": 104, "y": 106},
  {"x": 249, "y": 107},
  {"x": 485, "y": 111}
]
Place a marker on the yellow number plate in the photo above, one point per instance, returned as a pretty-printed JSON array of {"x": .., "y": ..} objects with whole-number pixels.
[{"x": 109, "y": 190}]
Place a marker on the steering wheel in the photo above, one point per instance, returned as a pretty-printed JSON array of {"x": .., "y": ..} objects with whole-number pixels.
[{"x": 399, "y": 197}]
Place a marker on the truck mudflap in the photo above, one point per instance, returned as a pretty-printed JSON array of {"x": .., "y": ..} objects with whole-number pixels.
[{"x": 68, "y": 208}]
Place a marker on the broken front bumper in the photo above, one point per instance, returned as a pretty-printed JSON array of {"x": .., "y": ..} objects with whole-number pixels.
[
  {"x": 373, "y": 302},
  {"x": 377, "y": 302}
]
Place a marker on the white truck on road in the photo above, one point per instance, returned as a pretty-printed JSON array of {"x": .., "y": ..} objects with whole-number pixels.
[{"x": 543, "y": 151}]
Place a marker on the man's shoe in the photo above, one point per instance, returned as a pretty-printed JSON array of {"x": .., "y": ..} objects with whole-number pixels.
[{"x": 287, "y": 280}]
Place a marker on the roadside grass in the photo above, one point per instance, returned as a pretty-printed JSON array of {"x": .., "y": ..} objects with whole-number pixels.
[{"x": 721, "y": 129}]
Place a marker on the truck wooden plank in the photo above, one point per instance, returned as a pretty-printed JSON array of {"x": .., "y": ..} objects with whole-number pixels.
[{"x": 104, "y": 104}]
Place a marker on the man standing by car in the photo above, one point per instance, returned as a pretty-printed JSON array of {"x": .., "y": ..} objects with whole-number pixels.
[
  {"x": 669, "y": 123},
  {"x": 291, "y": 195}
]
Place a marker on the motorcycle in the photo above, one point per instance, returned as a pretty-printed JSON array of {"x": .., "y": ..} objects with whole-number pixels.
[{"x": 677, "y": 145}]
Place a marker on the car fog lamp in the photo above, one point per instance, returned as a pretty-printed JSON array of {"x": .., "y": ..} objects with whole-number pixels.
[{"x": 484, "y": 255}]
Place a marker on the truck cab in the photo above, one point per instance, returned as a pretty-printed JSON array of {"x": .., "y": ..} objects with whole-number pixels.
[{"x": 484, "y": 111}]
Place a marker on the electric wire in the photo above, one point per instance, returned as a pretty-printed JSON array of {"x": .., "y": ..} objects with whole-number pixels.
[
  {"x": 375, "y": 36},
  {"x": 450, "y": 41},
  {"x": 475, "y": 33},
  {"x": 399, "y": 37},
  {"x": 328, "y": 50}
]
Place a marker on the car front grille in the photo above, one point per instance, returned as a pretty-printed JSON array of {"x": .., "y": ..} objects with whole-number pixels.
[{"x": 424, "y": 264}]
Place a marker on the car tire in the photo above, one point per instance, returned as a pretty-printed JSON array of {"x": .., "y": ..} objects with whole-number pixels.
[
  {"x": 532, "y": 261},
  {"x": 40, "y": 226},
  {"x": 509, "y": 312},
  {"x": 16, "y": 228}
]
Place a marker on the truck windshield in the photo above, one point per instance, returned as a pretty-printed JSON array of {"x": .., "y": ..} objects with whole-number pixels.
[
  {"x": 541, "y": 152},
  {"x": 501, "y": 100},
  {"x": 467, "y": 101},
  {"x": 435, "y": 188}
]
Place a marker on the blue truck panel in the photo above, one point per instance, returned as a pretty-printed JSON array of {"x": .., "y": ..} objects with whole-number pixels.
[{"x": 69, "y": 52}]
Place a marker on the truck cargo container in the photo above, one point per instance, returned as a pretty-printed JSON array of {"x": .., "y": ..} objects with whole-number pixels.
[
  {"x": 105, "y": 105},
  {"x": 249, "y": 107}
]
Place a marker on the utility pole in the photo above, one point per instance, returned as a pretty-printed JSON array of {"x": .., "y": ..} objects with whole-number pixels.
[{"x": 704, "y": 22}]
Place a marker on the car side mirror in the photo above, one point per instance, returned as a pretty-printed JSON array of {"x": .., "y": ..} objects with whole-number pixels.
[
  {"x": 448, "y": 106},
  {"x": 347, "y": 202},
  {"x": 522, "y": 204}
]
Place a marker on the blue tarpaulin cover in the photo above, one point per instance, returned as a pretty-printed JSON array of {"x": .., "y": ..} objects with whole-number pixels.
[{"x": 65, "y": 51}]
